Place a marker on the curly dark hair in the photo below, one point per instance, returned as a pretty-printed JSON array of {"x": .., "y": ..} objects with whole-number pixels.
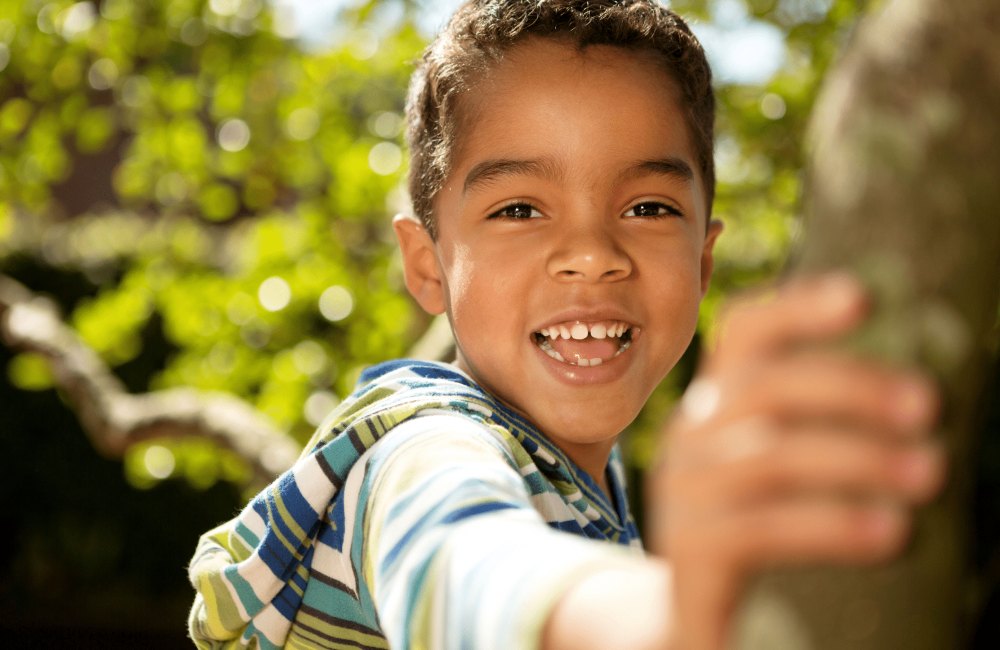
[{"x": 481, "y": 31}]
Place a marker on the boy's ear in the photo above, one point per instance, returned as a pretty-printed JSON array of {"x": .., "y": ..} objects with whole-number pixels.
[
  {"x": 420, "y": 267},
  {"x": 707, "y": 260}
]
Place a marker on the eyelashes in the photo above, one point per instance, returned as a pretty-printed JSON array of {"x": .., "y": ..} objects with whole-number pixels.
[
  {"x": 516, "y": 212},
  {"x": 653, "y": 210},
  {"x": 523, "y": 211}
]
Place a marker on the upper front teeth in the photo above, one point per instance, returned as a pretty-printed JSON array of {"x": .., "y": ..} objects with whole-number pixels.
[{"x": 581, "y": 331}]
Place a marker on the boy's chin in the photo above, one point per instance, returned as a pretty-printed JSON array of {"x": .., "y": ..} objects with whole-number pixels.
[{"x": 594, "y": 423}]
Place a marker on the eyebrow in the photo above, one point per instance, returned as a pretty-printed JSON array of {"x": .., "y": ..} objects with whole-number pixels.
[
  {"x": 491, "y": 170},
  {"x": 671, "y": 167}
]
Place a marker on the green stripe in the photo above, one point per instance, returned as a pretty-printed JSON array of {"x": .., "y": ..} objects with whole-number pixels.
[{"x": 225, "y": 608}]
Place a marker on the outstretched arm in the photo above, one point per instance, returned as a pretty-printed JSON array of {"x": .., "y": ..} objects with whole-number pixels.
[{"x": 459, "y": 557}]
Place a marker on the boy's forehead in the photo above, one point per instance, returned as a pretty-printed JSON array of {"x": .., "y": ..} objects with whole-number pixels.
[
  {"x": 535, "y": 61},
  {"x": 518, "y": 110}
]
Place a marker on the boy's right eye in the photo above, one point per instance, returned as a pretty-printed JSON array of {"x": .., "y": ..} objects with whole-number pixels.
[{"x": 519, "y": 211}]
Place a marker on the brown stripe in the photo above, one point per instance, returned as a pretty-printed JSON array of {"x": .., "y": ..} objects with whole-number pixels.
[
  {"x": 327, "y": 637},
  {"x": 333, "y": 582},
  {"x": 326, "y": 618}
]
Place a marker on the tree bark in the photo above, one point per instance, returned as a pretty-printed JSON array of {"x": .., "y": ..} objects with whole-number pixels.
[{"x": 904, "y": 188}]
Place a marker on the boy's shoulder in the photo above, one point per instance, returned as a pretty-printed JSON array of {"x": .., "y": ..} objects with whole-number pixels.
[{"x": 393, "y": 391}]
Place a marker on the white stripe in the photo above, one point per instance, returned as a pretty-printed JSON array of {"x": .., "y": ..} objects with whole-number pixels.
[
  {"x": 331, "y": 562},
  {"x": 254, "y": 522},
  {"x": 552, "y": 508},
  {"x": 272, "y": 625},
  {"x": 313, "y": 483},
  {"x": 262, "y": 580}
]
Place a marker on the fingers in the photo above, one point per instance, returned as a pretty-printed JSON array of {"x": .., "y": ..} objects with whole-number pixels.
[
  {"x": 752, "y": 463},
  {"x": 807, "y": 531},
  {"x": 824, "y": 386},
  {"x": 828, "y": 461},
  {"x": 802, "y": 310}
]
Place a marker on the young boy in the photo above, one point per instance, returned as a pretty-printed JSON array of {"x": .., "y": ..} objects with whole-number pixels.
[{"x": 562, "y": 182}]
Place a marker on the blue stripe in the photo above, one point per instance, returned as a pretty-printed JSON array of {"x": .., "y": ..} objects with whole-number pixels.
[
  {"x": 567, "y": 526},
  {"x": 295, "y": 503},
  {"x": 287, "y": 602},
  {"x": 390, "y": 557},
  {"x": 478, "y": 509}
]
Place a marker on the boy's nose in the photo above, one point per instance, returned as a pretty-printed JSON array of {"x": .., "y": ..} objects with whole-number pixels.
[{"x": 589, "y": 257}]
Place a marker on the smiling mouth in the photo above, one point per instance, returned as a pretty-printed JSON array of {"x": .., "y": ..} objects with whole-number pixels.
[{"x": 584, "y": 344}]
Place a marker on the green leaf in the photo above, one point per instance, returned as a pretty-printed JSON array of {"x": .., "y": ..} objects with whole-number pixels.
[
  {"x": 95, "y": 128},
  {"x": 30, "y": 371}
]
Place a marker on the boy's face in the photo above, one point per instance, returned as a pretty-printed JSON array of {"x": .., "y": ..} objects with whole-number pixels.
[{"x": 574, "y": 199}]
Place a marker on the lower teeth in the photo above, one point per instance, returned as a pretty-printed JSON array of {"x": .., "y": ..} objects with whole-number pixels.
[{"x": 547, "y": 348}]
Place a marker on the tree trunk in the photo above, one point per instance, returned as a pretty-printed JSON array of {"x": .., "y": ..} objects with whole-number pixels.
[{"x": 904, "y": 188}]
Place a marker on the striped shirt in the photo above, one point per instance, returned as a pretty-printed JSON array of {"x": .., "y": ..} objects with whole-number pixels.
[{"x": 450, "y": 533}]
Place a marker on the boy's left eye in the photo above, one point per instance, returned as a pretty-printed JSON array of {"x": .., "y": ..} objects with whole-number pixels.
[
  {"x": 653, "y": 209},
  {"x": 518, "y": 211}
]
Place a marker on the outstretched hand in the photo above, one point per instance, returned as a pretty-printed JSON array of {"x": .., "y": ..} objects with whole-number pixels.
[{"x": 784, "y": 452}]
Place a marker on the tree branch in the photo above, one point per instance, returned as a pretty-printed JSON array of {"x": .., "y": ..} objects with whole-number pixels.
[{"x": 115, "y": 419}]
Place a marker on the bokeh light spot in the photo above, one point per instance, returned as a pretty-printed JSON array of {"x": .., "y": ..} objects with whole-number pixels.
[
  {"x": 75, "y": 22},
  {"x": 283, "y": 21},
  {"x": 386, "y": 124},
  {"x": 318, "y": 406},
  {"x": 772, "y": 106},
  {"x": 159, "y": 461},
  {"x": 274, "y": 294},
  {"x": 171, "y": 188},
  {"x": 194, "y": 32},
  {"x": 136, "y": 91},
  {"x": 309, "y": 357},
  {"x": 46, "y": 18},
  {"x": 336, "y": 303},
  {"x": 103, "y": 74},
  {"x": 222, "y": 358},
  {"x": 302, "y": 124},
  {"x": 233, "y": 135},
  {"x": 385, "y": 158},
  {"x": 224, "y": 7}
]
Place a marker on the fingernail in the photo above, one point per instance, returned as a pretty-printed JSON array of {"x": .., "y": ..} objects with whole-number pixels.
[{"x": 911, "y": 404}]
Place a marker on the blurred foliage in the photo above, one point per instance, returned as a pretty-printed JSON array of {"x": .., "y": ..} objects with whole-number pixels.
[{"x": 195, "y": 164}]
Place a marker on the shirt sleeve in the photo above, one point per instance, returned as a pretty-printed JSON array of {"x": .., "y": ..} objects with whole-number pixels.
[{"x": 455, "y": 554}]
